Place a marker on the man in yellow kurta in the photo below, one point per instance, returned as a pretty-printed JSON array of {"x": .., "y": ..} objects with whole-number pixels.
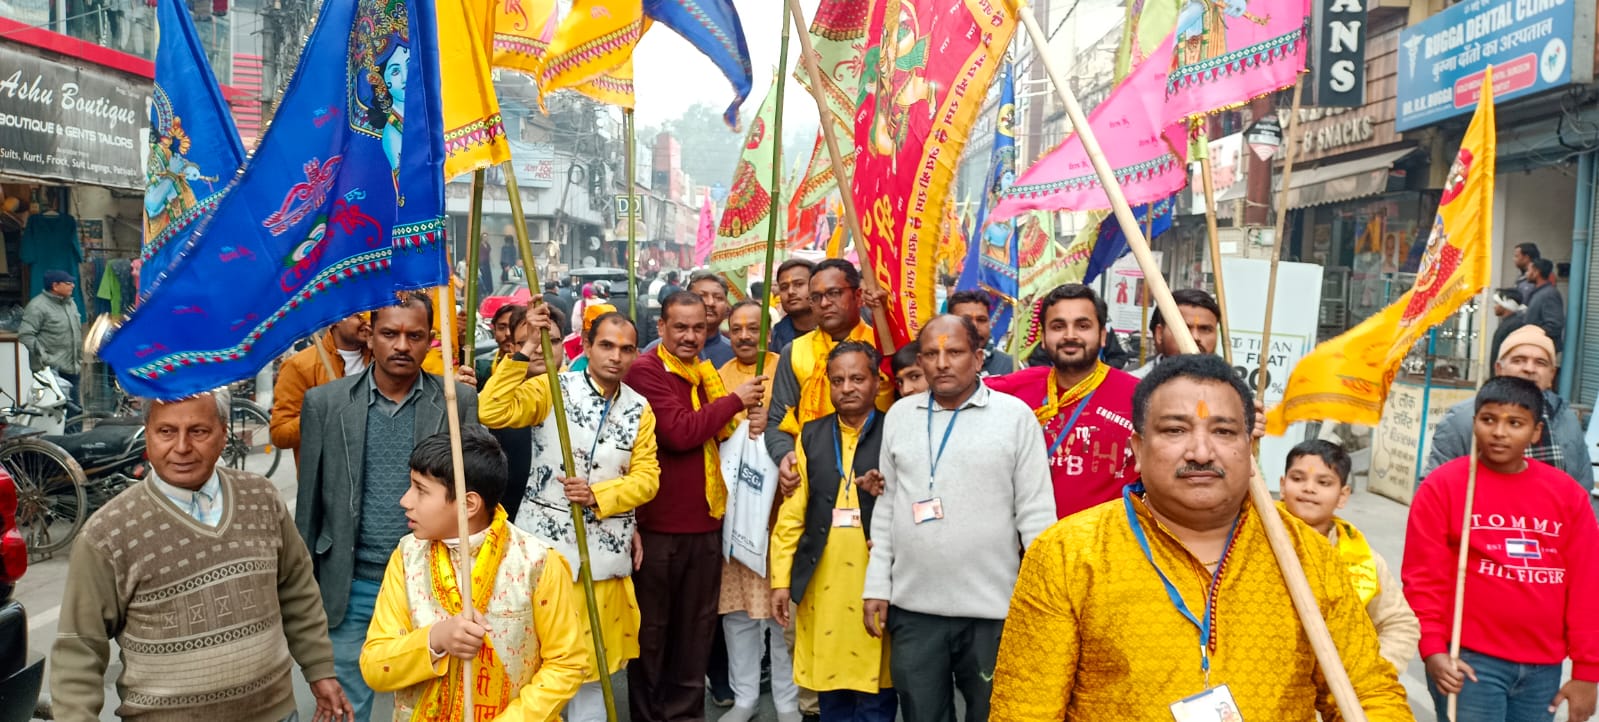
[
  {"x": 819, "y": 547},
  {"x": 1168, "y": 601},
  {"x": 612, "y": 432},
  {"x": 521, "y": 633},
  {"x": 799, "y": 386}
]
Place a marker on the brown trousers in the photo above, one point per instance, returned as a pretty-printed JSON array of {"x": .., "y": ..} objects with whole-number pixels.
[{"x": 677, "y": 587}]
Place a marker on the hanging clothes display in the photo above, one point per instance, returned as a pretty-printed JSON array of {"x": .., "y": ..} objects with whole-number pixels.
[{"x": 50, "y": 243}]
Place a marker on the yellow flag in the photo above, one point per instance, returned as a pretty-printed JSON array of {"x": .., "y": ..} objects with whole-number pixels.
[
  {"x": 474, "y": 134},
  {"x": 1347, "y": 379},
  {"x": 594, "y": 40},
  {"x": 523, "y": 30}
]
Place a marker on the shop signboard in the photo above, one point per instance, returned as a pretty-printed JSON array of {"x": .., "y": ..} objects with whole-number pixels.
[
  {"x": 1295, "y": 316},
  {"x": 1533, "y": 46},
  {"x": 1124, "y": 294},
  {"x": 534, "y": 164},
  {"x": 1338, "y": 78},
  {"x": 68, "y": 122}
]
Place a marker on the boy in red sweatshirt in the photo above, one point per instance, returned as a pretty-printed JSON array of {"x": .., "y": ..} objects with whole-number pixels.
[{"x": 1532, "y": 566}]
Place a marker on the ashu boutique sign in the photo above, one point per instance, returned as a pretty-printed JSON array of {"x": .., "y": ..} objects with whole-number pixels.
[{"x": 64, "y": 122}]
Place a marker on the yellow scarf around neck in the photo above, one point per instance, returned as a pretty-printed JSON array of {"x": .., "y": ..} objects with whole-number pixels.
[
  {"x": 808, "y": 356},
  {"x": 1054, "y": 401},
  {"x": 702, "y": 375},
  {"x": 444, "y": 696},
  {"x": 1356, "y": 554}
]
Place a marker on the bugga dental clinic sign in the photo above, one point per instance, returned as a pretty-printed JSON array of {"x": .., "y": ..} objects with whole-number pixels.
[
  {"x": 61, "y": 121},
  {"x": 1533, "y": 46}
]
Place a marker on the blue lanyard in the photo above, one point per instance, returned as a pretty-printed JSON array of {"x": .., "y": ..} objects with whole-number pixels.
[
  {"x": 1171, "y": 590},
  {"x": 838, "y": 452},
  {"x": 939, "y": 453},
  {"x": 1071, "y": 422}
]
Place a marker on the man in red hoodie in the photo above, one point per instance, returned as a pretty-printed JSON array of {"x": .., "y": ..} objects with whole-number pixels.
[
  {"x": 1532, "y": 572},
  {"x": 681, "y": 529}
]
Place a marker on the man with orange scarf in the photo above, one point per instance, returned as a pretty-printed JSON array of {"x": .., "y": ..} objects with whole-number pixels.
[
  {"x": 800, "y": 392},
  {"x": 681, "y": 529},
  {"x": 1084, "y": 406}
]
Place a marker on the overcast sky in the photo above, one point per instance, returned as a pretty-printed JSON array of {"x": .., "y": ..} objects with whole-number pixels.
[{"x": 671, "y": 75}]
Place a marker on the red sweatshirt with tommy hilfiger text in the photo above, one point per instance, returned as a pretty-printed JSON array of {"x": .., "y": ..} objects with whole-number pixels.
[{"x": 1532, "y": 571}]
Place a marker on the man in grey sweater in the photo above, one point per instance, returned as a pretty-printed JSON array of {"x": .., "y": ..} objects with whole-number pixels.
[{"x": 956, "y": 511}]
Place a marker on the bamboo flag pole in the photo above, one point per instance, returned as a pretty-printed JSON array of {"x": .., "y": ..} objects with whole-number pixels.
[
  {"x": 322, "y": 353},
  {"x": 632, "y": 217},
  {"x": 1471, "y": 494},
  {"x": 777, "y": 185},
  {"x": 1282, "y": 547},
  {"x": 558, "y": 411},
  {"x": 1214, "y": 236},
  {"x": 452, "y": 411},
  {"x": 1143, "y": 299},
  {"x": 1277, "y": 242},
  {"x": 796, "y": 14},
  {"x": 474, "y": 242}
]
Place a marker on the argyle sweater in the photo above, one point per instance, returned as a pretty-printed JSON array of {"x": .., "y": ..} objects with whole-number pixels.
[{"x": 207, "y": 618}]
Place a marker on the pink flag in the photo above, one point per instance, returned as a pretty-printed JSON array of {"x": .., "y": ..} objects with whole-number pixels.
[
  {"x": 1229, "y": 52},
  {"x": 1149, "y": 160},
  {"x": 707, "y": 233}
]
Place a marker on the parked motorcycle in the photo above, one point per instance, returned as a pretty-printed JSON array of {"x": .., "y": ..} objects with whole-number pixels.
[{"x": 47, "y": 406}]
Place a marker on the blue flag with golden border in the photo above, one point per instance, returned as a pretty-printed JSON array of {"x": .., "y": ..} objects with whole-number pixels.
[
  {"x": 340, "y": 207},
  {"x": 991, "y": 255},
  {"x": 194, "y": 146}
]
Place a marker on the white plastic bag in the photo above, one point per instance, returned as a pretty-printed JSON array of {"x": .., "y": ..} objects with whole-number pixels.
[{"x": 751, "y": 480}]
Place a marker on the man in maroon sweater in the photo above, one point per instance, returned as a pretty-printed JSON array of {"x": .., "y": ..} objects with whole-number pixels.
[{"x": 681, "y": 529}]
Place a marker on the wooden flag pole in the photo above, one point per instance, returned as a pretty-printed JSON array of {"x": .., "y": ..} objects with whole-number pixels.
[
  {"x": 558, "y": 411},
  {"x": 796, "y": 14},
  {"x": 1471, "y": 494},
  {"x": 1282, "y": 547},
  {"x": 1277, "y": 243},
  {"x": 452, "y": 411},
  {"x": 1213, "y": 235},
  {"x": 776, "y": 194},
  {"x": 322, "y": 353},
  {"x": 474, "y": 242},
  {"x": 1143, "y": 299},
  {"x": 632, "y": 218}
]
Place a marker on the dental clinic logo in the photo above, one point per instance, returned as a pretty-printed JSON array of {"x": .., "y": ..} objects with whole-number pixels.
[
  {"x": 1552, "y": 65},
  {"x": 1413, "y": 51}
]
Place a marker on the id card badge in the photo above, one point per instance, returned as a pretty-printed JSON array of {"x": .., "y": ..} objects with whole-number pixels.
[
  {"x": 1212, "y": 705},
  {"x": 928, "y": 510},
  {"x": 846, "y": 518}
]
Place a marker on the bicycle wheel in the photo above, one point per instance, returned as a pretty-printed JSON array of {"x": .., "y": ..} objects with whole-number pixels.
[
  {"x": 249, "y": 436},
  {"x": 52, "y": 504}
]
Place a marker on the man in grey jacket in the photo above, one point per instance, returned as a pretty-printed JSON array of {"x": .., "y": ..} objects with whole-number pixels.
[
  {"x": 1527, "y": 353},
  {"x": 356, "y": 436},
  {"x": 51, "y": 329},
  {"x": 1545, "y": 309}
]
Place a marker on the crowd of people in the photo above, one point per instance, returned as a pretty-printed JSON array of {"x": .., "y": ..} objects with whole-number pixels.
[{"x": 1067, "y": 540}]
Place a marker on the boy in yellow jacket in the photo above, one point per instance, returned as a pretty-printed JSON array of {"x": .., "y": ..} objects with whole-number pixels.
[
  {"x": 1314, "y": 488},
  {"x": 523, "y": 634}
]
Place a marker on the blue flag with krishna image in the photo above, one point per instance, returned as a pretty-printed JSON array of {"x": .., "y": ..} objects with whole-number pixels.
[{"x": 340, "y": 207}]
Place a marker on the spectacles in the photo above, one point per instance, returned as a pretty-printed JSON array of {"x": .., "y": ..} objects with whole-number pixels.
[{"x": 833, "y": 296}]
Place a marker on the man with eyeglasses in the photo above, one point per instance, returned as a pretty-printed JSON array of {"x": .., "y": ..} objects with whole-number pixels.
[{"x": 800, "y": 391}]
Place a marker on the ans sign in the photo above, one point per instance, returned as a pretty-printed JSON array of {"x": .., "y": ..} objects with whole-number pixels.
[{"x": 1340, "y": 54}]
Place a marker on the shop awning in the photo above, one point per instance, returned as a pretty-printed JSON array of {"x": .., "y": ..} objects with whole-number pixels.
[{"x": 1342, "y": 181}]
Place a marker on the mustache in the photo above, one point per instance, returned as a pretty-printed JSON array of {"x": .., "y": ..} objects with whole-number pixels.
[{"x": 1187, "y": 470}]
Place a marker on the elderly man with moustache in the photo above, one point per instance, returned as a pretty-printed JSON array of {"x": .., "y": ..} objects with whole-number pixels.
[
  {"x": 200, "y": 577},
  {"x": 1184, "y": 554},
  {"x": 1526, "y": 353}
]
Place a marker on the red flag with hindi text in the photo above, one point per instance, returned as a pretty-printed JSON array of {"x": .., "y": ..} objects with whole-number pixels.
[{"x": 927, "y": 69}]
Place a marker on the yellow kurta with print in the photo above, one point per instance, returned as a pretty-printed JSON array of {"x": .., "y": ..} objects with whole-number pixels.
[
  {"x": 1092, "y": 636},
  {"x": 832, "y": 650},
  {"x": 510, "y": 399},
  {"x": 396, "y": 654}
]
